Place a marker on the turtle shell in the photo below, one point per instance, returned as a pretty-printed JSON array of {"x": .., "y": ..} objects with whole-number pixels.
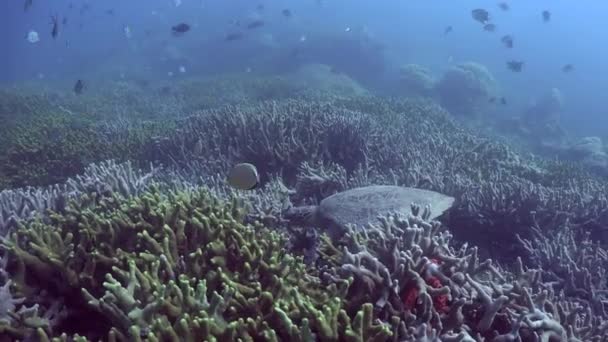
[{"x": 360, "y": 206}]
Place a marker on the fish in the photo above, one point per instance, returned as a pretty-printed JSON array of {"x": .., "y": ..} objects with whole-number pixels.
[
  {"x": 503, "y": 101},
  {"x": 447, "y": 30},
  {"x": 492, "y": 99},
  {"x": 286, "y": 13},
  {"x": 255, "y": 24},
  {"x": 127, "y": 31},
  {"x": 79, "y": 87},
  {"x": 110, "y": 11},
  {"x": 64, "y": 21},
  {"x": 33, "y": 37},
  {"x": 507, "y": 41},
  {"x": 260, "y": 7},
  {"x": 515, "y": 66},
  {"x": 568, "y": 68},
  {"x": 234, "y": 36},
  {"x": 27, "y": 4},
  {"x": 503, "y": 6},
  {"x": 55, "y": 29},
  {"x": 180, "y": 29},
  {"x": 244, "y": 176},
  {"x": 489, "y": 27},
  {"x": 480, "y": 15},
  {"x": 546, "y": 16}
]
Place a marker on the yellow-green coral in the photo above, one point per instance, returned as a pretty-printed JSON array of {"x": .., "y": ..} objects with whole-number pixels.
[{"x": 177, "y": 266}]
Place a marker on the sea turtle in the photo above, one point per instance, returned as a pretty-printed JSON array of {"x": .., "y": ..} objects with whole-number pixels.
[{"x": 360, "y": 206}]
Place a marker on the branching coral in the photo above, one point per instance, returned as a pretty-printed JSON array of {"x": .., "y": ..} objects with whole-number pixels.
[
  {"x": 428, "y": 289},
  {"x": 181, "y": 265}
]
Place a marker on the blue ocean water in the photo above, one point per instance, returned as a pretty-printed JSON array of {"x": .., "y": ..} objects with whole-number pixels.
[{"x": 93, "y": 40}]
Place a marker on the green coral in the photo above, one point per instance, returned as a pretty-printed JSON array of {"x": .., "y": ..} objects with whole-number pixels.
[{"x": 177, "y": 266}]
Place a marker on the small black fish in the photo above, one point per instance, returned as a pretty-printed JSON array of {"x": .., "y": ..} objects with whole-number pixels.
[
  {"x": 255, "y": 24},
  {"x": 448, "y": 30},
  {"x": 515, "y": 66},
  {"x": 180, "y": 29},
  {"x": 507, "y": 41},
  {"x": 286, "y": 13},
  {"x": 480, "y": 15},
  {"x": 64, "y": 21},
  {"x": 503, "y": 6},
  {"x": 546, "y": 16},
  {"x": 110, "y": 11},
  {"x": 489, "y": 27},
  {"x": 55, "y": 23},
  {"x": 79, "y": 87},
  {"x": 568, "y": 68},
  {"x": 503, "y": 101},
  {"x": 27, "y": 4},
  {"x": 234, "y": 36},
  {"x": 260, "y": 7},
  {"x": 492, "y": 99}
]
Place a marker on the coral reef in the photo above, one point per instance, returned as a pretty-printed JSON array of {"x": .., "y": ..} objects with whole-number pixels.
[
  {"x": 429, "y": 290},
  {"x": 104, "y": 179},
  {"x": 325, "y": 79},
  {"x": 170, "y": 266},
  {"x": 416, "y": 80},
  {"x": 150, "y": 255},
  {"x": 465, "y": 88}
]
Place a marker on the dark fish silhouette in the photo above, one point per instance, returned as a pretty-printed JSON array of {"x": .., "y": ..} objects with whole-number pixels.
[
  {"x": 546, "y": 16},
  {"x": 502, "y": 100},
  {"x": 110, "y": 11},
  {"x": 180, "y": 29},
  {"x": 568, "y": 68},
  {"x": 515, "y": 66},
  {"x": 480, "y": 15},
  {"x": 489, "y": 27},
  {"x": 64, "y": 21},
  {"x": 55, "y": 29},
  {"x": 255, "y": 24},
  {"x": 286, "y": 12},
  {"x": 234, "y": 36},
  {"x": 27, "y": 4},
  {"x": 260, "y": 7},
  {"x": 503, "y": 6},
  {"x": 507, "y": 41},
  {"x": 79, "y": 87},
  {"x": 448, "y": 30}
]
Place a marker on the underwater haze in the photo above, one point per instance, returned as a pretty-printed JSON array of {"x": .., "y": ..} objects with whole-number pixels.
[
  {"x": 410, "y": 31},
  {"x": 303, "y": 170}
]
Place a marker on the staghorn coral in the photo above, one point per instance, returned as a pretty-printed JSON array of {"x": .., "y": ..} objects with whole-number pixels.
[
  {"x": 275, "y": 136},
  {"x": 167, "y": 266},
  {"x": 104, "y": 179},
  {"x": 429, "y": 290}
]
